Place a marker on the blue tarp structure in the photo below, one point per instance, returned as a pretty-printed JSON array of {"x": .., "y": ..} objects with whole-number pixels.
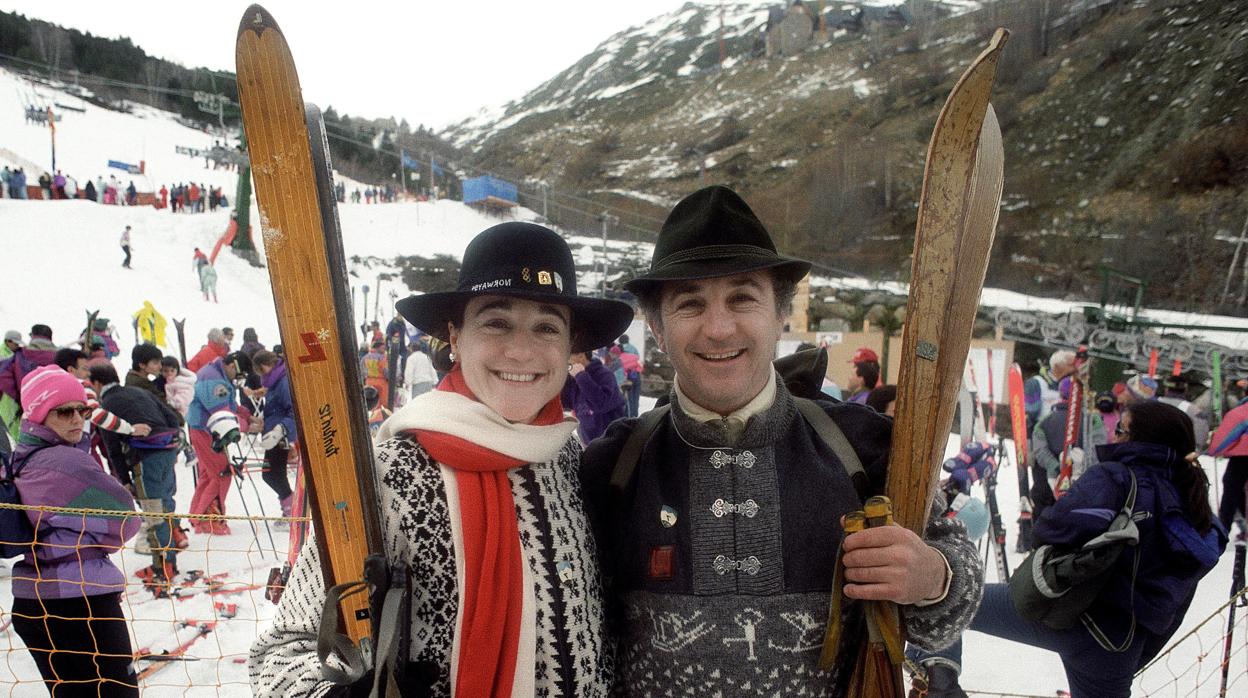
[
  {"x": 480, "y": 190},
  {"x": 118, "y": 165}
]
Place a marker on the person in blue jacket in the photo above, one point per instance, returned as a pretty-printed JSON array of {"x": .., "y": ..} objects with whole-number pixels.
[
  {"x": 279, "y": 421},
  {"x": 214, "y": 421},
  {"x": 1180, "y": 541}
]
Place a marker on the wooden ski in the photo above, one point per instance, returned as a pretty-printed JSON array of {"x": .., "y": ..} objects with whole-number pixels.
[
  {"x": 958, "y": 210},
  {"x": 308, "y": 275}
]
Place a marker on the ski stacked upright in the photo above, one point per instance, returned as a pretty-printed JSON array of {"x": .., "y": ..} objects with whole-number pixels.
[
  {"x": 90, "y": 333},
  {"x": 1076, "y": 431},
  {"x": 307, "y": 269},
  {"x": 958, "y": 210},
  {"x": 180, "y": 325},
  {"x": 1018, "y": 426},
  {"x": 996, "y": 527}
]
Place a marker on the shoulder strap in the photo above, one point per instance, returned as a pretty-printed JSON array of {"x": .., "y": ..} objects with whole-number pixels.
[
  {"x": 626, "y": 462},
  {"x": 835, "y": 439},
  {"x": 1128, "y": 507},
  {"x": 828, "y": 431},
  {"x": 13, "y": 465}
]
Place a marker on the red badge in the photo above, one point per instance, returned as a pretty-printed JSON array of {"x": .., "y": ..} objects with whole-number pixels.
[{"x": 661, "y": 561}]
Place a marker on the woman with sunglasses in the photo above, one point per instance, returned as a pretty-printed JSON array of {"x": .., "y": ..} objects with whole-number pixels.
[
  {"x": 480, "y": 495},
  {"x": 66, "y": 591}
]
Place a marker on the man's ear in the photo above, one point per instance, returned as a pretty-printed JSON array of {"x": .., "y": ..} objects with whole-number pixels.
[{"x": 656, "y": 331}]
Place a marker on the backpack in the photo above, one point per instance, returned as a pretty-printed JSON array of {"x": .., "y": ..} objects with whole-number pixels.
[
  {"x": 1056, "y": 586},
  {"x": 17, "y": 535}
]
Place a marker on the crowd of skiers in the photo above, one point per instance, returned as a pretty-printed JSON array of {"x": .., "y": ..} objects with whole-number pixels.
[
  {"x": 689, "y": 549},
  {"x": 372, "y": 195},
  {"x": 80, "y": 435},
  {"x": 14, "y": 185},
  {"x": 191, "y": 198}
]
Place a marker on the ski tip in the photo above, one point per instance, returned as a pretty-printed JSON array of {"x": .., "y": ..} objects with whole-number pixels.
[
  {"x": 999, "y": 37},
  {"x": 257, "y": 19}
]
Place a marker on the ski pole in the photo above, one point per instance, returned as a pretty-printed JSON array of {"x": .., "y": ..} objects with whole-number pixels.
[
  {"x": 1237, "y": 584},
  {"x": 268, "y": 529},
  {"x": 238, "y": 473}
]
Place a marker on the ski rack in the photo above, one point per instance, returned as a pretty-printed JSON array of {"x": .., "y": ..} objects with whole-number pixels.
[{"x": 1133, "y": 347}]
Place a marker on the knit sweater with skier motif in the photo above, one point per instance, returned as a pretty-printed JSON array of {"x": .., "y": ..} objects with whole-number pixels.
[
  {"x": 719, "y": 556},
  {"x": 563, "y": 647}
]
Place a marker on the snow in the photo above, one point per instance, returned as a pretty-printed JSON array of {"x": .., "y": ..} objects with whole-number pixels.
[
  {"x": 62, "y": 257},
  {"x": 616, "y": 90}
]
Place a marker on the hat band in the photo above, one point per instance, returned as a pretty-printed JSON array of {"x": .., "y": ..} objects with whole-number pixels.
[
  {"x": 526, "y": 279},
  {"x": 713, "y": 252}
]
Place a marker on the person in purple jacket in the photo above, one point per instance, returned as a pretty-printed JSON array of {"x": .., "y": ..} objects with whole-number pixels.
[
  {"x": 66, "y": 591},
  {"x": 594, "y": 396},
  {"x": 279, "y": 422},
  {"x": 1149, "y": 588},
  {"x": 26, "y": 358}
]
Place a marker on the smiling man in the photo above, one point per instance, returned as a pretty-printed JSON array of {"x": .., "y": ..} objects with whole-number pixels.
[{"x": 718, "y": 516}]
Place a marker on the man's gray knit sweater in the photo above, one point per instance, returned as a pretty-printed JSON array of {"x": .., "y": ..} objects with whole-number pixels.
[{"x": 719, "y": 558}]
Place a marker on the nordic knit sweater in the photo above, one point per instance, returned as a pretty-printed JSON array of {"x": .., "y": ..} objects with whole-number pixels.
[
  {"x": 564, "y": 646},
  {"x": 719, "y": 558}
]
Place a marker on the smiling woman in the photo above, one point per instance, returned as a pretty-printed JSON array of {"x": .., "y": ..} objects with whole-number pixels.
[{"x": 478, "y": 480}]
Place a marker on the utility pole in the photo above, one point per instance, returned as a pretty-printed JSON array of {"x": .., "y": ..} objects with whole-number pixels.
[
  {"x": 607, "y": 219},
  {"x": 723, "y": 52},
  {"x": 1230, "y": 273},
  {"x": 52, "y": 130},
  {"x": 377, "y": 300}
]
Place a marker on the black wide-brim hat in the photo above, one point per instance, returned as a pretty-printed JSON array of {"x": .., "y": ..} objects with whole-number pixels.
[
  {"x": 520, "y": 260},
  {"x": 712, "y": 232}
]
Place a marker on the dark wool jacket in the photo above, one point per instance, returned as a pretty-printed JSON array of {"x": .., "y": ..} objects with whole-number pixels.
[
  {"x": 136, "y": 379},
  {"x": 1173, "y": 556},
  {"x": 719, "y": 560},
  {"x": 137, "y": 406}
]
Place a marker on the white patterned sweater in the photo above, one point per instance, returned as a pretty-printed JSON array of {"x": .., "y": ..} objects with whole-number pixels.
[{"x": 563, "y": 650}]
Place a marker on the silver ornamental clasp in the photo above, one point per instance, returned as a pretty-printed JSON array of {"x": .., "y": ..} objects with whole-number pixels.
[
  {"x": 745, "y": 459},
  {"x": 724, "y": 564},
  {"x": 749, "y": 508}
]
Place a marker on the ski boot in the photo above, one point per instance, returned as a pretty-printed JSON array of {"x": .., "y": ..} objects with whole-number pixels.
[
  {"x": 157, "y": 578},
  {"x": 941, "y": 681},
  {"x": 180, "y": 541},
  {"x": 286, "y": 504},
  {"x": 145, "y": 539},
  {"x": 212, "y": 527}
]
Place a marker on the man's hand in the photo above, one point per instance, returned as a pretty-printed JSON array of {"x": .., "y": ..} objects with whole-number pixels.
[
  {"x": 891, "y": 563},
  {"x": 142, "y": 429}
]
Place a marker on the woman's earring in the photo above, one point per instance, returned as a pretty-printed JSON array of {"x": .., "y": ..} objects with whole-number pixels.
[{"x": 451, "y": 356}]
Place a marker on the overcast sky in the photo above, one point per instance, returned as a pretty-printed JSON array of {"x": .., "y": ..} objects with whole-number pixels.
[{"x": 431, "y": 62}]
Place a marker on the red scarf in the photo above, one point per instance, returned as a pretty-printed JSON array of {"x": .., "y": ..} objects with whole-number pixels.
[{"x": 489, "y": 635}]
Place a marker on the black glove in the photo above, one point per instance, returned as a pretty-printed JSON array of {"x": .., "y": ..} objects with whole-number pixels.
[{"x": 416, "y": 682}]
